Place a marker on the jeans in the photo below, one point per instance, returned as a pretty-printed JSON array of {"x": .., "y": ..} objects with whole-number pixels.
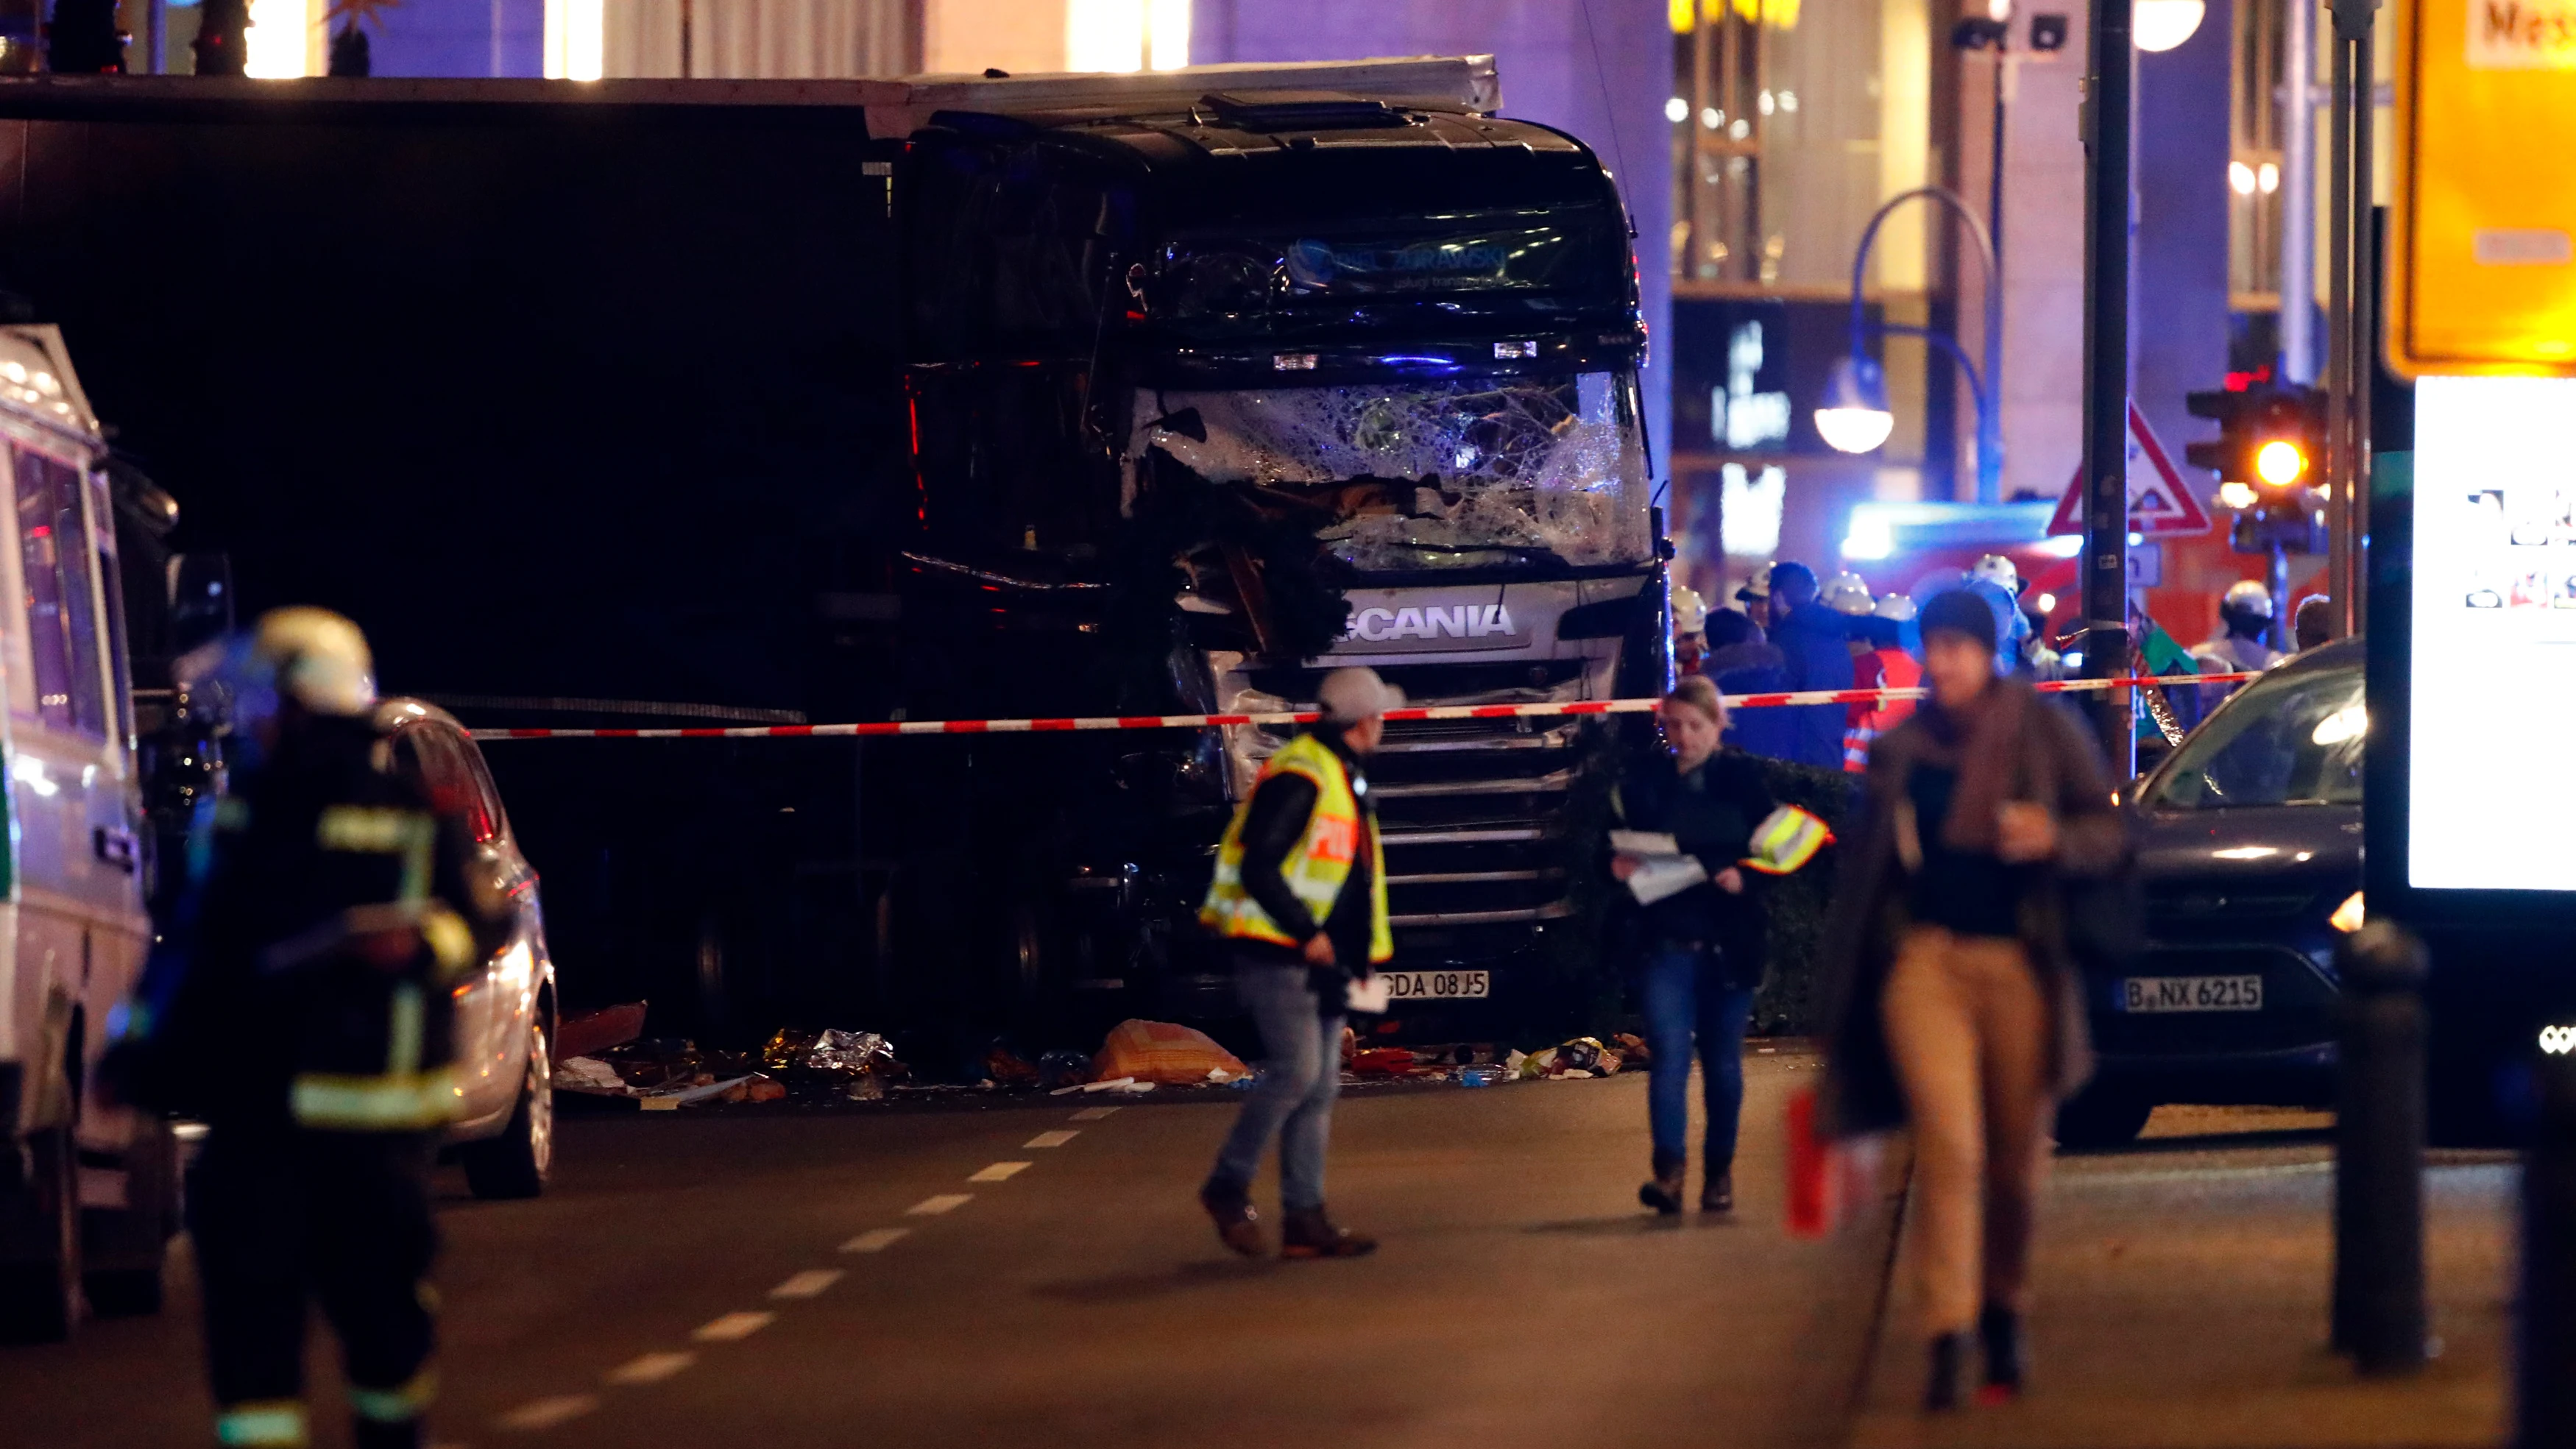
[
  {"x": 1301, "y": 1074},
  {"x": 1686, "y": 995}
]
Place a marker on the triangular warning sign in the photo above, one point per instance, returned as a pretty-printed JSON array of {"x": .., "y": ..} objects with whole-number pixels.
[{"x": 2159, "y": 501}]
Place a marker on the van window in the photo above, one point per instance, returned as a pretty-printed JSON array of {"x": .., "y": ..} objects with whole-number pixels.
[
  {"x": 111, "y": 583},
  {"x": 62, "y": 620}
]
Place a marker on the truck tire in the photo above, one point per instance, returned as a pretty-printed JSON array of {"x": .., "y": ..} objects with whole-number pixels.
[
  {"x": 2101, "y": 1118},
  {"x": 516, "y": 1163},
  {"x": 40, "y": 1283}
]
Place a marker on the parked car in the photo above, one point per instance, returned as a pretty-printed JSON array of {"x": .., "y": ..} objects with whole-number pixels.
[
  {"x": 2250, "y": 863},
  {"x": 505, "y": 1025}
]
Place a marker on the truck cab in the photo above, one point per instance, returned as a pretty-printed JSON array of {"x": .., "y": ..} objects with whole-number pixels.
[
  {"x": 87, "y": 1191},
  {"x": 1222, "y": 387}
]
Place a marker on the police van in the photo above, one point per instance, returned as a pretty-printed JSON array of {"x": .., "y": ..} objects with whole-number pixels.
[{"x": 89, "y": 1193}]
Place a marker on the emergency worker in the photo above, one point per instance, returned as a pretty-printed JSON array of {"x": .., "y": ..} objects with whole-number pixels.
[
  {"x": 2313, "y": 624},
  {"x": 1300, "y": 894},
  {"x": 303, "y": 1012},
  {"x": 1810, "y": 639},
  {"x": 2245, "y": 617},
  {"x": 1880, "y": 663},
  {"x": 1690, "y": 618}
]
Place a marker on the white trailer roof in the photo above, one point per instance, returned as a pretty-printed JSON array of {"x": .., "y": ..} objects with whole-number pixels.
[{"x": 902, "y": 105}]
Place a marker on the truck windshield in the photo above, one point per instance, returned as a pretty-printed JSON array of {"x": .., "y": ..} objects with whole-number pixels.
[
  {"x": 2289, "y": 739},
  {"x": 1418, "y": 475}
]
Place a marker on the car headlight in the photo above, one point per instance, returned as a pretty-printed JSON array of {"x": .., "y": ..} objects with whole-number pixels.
[{"x": 2347, "y": 917}]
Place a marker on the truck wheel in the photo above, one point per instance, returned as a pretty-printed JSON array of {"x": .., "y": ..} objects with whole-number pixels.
[
  {"x": 2099, "y": 1118},
  {"x": 516, "y": 1163},
  {"x": 40, "y": 1284}
]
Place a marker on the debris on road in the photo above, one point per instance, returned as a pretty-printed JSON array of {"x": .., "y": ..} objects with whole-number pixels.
[
  {"x": 588, "y": 1033},
  {"x": 1163, "y": 1052}
]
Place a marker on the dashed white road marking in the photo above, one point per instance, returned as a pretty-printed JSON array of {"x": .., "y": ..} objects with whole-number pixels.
[
  {"x": 732, "y": 1327},
  {"x": 876, "y": 1240},
  {"x": 946, "y": 1202},
  {"x": 999, "y": 1172},
  {"x": 546, "y": 1413},
  {"x": 652, "y": 1368},
  {"x": 808, "y": 1284},
  {"x": 1092, "y": 1114},
  {"x": 1050, "y": 1139}
]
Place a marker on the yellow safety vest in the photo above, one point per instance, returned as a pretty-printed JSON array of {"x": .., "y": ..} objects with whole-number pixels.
[{"x": 1315, "y": 868}]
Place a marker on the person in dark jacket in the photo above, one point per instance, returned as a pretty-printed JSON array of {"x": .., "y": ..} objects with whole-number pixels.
[
  {"x": 1701, "y": 948},
  {"x": 1952, "y": 996},
  {"x": 1740, "y": 661},
  {"x": 1812, "y": 642},
  {"x": 1300, "y": 896},
  {"x": 304, "y": 1013}
]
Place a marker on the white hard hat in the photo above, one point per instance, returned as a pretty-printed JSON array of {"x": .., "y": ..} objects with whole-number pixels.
[
  {"x": 1895, "y": 606},
  {"x": 1847, "y": 593},
  {"x": 2248, "y": 597},
  {"x": 2000, "y": 569},
  {"x": 1690, "y": 614},
  {"x": 319, "y": 659},
  {"x": 1353, "y": 694}
]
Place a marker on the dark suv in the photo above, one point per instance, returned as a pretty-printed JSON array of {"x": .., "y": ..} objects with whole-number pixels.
[{"x": 2250, "y": 857}]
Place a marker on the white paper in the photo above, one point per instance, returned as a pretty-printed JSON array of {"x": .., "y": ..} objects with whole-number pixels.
[
  {"x": 1371, "y": 995},
  {"x": 1665, "y": 875},
  {"x": 1644, "y": 842}
]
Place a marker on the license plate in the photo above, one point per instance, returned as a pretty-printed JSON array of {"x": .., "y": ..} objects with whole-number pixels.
[
  {"x": 2191, "y": 993},
  {"x": 1409, "y": 985}
]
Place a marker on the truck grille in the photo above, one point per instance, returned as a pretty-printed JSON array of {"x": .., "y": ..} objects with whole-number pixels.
[{"x": 1474, "y": 816}]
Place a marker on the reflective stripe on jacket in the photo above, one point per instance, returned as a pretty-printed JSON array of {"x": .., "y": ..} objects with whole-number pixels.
[{"x": 1315, "y": 869}]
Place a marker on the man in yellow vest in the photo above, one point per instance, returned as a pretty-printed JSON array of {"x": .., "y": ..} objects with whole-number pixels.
[{"x": 1300, "y": 894}]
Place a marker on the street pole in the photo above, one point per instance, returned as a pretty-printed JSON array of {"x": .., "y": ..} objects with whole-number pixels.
[
  {"x": 2379, "y": 1311},
  {"x": 2109, "y": 92},
  {"x": 2545, "y": 1391},
  {"x": 2351, "y": 361},
  {"x": 2299, "y": 195}
]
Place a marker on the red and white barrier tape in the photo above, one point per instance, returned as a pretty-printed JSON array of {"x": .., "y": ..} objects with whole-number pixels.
[{"x": 1205, "y": 721}]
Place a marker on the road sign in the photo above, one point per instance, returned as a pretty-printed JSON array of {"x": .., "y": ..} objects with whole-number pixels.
[
  {"x": 2159, "y": 502},
  {"x": 2482, "y": 235}
]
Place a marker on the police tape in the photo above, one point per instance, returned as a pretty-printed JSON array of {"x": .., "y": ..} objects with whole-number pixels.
[{"x": 1408, "y": 714}]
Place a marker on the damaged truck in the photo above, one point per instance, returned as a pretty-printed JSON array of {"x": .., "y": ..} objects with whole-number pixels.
[{"x": 938, "y": 398}]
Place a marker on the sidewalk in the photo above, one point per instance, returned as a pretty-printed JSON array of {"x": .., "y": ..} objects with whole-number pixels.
[{"x": 2183, "y": 1297}]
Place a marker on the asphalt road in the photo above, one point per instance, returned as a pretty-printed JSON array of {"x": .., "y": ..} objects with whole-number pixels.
[{"x": 1038, "y": 1274}]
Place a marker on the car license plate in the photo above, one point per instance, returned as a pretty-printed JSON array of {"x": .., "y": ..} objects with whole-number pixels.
[
  {"x": 1409, "y": 985},
  {"x": 2191, "y": 993}
]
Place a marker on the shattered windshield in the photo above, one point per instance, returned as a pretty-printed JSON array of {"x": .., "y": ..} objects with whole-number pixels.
[{"x": 1416, "y": 475}]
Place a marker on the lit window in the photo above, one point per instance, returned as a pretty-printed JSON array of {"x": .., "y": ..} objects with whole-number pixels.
[
  {"x": 281, "y": 38},
  {"x": 1126, "y": 35},
  {"x": 1748, "y": 509},
  {"x": 576, "y": 39}
]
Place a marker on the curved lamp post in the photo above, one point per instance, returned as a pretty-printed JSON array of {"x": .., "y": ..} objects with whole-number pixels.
[{"x": 1853, "y": 416}]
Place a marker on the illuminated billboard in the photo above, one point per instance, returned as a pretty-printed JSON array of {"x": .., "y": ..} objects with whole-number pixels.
[{"x": 2492, "y": 689}]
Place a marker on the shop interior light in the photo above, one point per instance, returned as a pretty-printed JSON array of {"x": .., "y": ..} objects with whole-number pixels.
[
  {"x": 2239, "y": 496},
  {"x": 278, "y": 43},
  {"x": 2164, "y": 24},
  {"x": 576, "y": 39},
  {"x": 1854, "y": 416}
]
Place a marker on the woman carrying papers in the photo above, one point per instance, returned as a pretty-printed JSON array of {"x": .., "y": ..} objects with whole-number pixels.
[{"x": 1682, "y": 824}]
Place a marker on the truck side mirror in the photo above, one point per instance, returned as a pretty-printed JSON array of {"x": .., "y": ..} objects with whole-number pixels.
[{"x": 201, "y": 599}]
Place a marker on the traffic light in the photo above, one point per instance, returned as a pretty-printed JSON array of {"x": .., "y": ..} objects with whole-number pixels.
[{"x": 2268, "y": 457}]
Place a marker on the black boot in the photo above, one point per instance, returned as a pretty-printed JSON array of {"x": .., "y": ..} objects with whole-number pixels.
[
  {"x": 1949, "y": 1364},
  {"x": 1238, "y": 1225},
  {"x": 1664, "y": 1193},
  {"x": 1308, "y": 1233},
  {"x": 2000, "y": 1328},
  {"x": 1717, "y": 1193}
]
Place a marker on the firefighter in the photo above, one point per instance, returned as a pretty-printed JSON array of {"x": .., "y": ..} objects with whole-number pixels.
[
  {"x": 1880, "y": 662},
  {"x": 1300, "y": 896},
  {"x": 304, "y": 1013}
]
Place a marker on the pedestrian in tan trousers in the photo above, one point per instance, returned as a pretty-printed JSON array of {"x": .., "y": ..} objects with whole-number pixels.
[{"x": 1954, "y": 1004}]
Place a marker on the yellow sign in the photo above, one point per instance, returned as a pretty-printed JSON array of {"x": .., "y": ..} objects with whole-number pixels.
[{"x": 2482, "y": 237}]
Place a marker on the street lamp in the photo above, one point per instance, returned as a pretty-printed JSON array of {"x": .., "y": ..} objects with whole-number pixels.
[
  {"x": 1853, "y": 416},
  {"x": 2164, "y": 24}
]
